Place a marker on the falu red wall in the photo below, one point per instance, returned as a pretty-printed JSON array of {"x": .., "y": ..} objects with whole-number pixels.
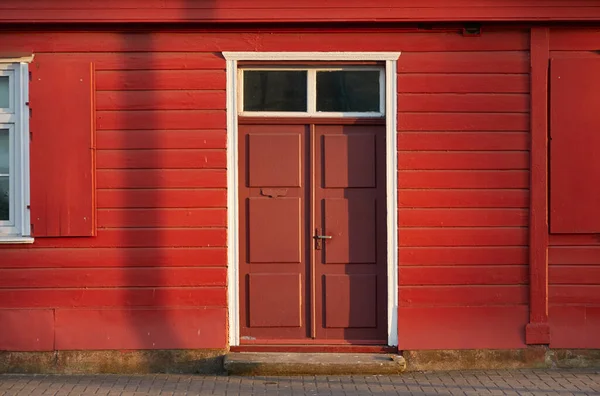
[{"x": 151, "y": 271}]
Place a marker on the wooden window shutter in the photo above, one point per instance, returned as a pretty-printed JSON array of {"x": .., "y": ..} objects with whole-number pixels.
[
  {"x": 575, "y": 146},
  {"x": 62, "y": 155}
]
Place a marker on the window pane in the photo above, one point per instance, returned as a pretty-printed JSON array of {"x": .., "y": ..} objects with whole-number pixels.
[
  {"x": 274, "y": 90},
  {"x": 4, "y": 92},
  {"x": 348, "y": 91},
  {"x": 4, "y": 177}
]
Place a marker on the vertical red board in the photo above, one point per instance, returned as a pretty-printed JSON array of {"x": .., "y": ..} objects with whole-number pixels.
[
  {"x": 62, "y": 147},
  {"x": 574, "y": 165}
]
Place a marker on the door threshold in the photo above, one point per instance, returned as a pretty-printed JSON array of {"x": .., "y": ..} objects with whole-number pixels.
[{"x": 346, "y": 348}]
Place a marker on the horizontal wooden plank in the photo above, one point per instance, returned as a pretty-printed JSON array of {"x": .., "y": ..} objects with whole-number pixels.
[
  {"x": 574, "y": 240},
  {"x": 166, "y": 139},
  {"x": 116, "y": 199},
  {"x": 161, "y": 218},
  {"x": 160, "y": 100},
  {"x": 574, "y": 326},
  {"x": 161, "y": 159},
  {"x": 456, "y": 255},
  {"x": 463, "y": 295},
  {"x": 566, "y": 39},
  {"x": 445, "y": 122},
  {"x": 216, "y": 40},
  {"x": 463, "y": 141},
  {"x": 487, "y": 327},
  {"x": 463, "y": 199},
  {"x": 464, "y": 275},
  {"x": 574, "y": 294},
  {"x": 143, "y": 237},
  {"x": 432, "y": 160},
  {"x": 161, "y": 178},
  {"x": 159, "y": 79},
  {"x": 141, "y": 329},
  {"x": 463, "y": 83},
  {"x": 114, "y": 297},
  {"x": 507, "y": 236},
  {"x": 151, "y": 60},
  {"x": 160, "y": 119},
  {"x": 573, "y": 54},
  {"x": 27, "y": 330},
  {"x": 499, "y": 62},
  {"x": 463, "y": 179},
  {"x": 463, "y": 217},
  {"x": 574, "y": 255},
  {"x": 64, "y": 257},
  {"x": 112, "y": 277},
  {"x": 463, "y": 103},
  {"x": 574, "y": 275}
]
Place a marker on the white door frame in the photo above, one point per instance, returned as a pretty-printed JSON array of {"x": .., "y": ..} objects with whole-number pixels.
[{"x": 390, "y": 59}]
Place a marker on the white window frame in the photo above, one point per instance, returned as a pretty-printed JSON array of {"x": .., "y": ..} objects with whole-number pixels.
[
  {"x": 311, "y": 93},
  {"x": 16, "y": 119}
]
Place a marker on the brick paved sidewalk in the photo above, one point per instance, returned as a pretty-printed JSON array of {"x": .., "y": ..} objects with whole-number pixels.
[{"x": 520, "y": 382}]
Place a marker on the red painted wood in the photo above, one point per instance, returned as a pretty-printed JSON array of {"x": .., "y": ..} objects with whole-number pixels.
[
  {"x": 464, "y": 62},
  {"x": 574, "y": 294},
  {"x": 447, "y": 160},
  {"x": 160, "y": 100},
  {"x": 463, "y": 141},
  {"x": 161, "y": 218},
  {"x": 160, "y": 119},
  {"x": 463, "y": 236},
  {"x": 458, "y": 255},
  {"x": 575, "y": 327},
  {"x": 110, "y": 277},
  {"x": 27, "y": 330},
  {"x": 467, "y": 296},
  {"x": 565, "y": 39},
  {"x": 537, "y": 331},
  {"x": 161, "y": 159},
  {"x": 297, "y": 11},
  {"x": 130, "y": 329},
  {"x": 166, "y": 139},
  {"x": 159, "y": 80},
  {"x": 574, "y": 95},
  {"x": 463, "y": 103},
  {"x": 463, "y": 199},
  {"x": 216, "y": 40},
  {"x": 174, "y": 198},
  {"x": 498, "y": 327},
  {"x": 464, "y": 275},
  {"x": 161, "y": 178},
  {"x": 315, "y": 348},
  {"x": 62, "y": 148},
  {"x": 463, "y": 217},
  {"x": 66, "y": 257},
  {"x": 463, "y": 122},
  {"x": 114, "y": 297},
  {"x": 463, "y": 83},
  {"x": 574, "y": 255},
  {"x": 574, "y": 275},
  {"x": 463, "y": 179},
  {"x": 152, "y": 60}
]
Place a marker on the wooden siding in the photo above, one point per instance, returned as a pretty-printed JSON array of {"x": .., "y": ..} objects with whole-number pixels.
[
  {"x": 463, "y": 157},
  {"x": 574, "y": 259},
  {"x": 158, "y": 262},
  {"x": 294, "y": 11}
]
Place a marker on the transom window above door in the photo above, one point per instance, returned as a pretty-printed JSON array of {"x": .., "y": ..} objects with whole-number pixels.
[{"x": 312, "y": 92}]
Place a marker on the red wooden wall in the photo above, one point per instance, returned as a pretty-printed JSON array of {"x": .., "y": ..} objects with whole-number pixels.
[
  {"x": 154, "y": 276},
  {"x": 90, "y": 11}
]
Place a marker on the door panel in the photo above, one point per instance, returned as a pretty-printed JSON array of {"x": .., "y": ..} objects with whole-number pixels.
[{"x": 298, "y": 181}]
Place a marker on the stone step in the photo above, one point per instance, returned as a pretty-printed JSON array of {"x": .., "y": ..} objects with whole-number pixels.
[{"x": 271, "y": 363}]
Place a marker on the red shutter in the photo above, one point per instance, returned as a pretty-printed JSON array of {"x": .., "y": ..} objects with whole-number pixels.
[
  {"x": 62, "y": 147},
  {"x": 575, "y": 146}
]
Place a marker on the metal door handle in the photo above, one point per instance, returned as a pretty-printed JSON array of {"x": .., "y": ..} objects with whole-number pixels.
[{"x": 323, "y": 236}]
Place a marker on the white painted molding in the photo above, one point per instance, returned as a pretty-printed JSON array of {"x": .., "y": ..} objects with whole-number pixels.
[
  {"x": 390, "y": 59},
  {"x": 20, "y": 59},
  {"x": 312, "y": 56}
]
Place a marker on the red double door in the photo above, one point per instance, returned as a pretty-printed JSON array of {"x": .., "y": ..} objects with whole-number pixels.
[{"x": 312, "y": 234}]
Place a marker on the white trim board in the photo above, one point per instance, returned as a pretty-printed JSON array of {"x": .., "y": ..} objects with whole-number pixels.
[{"x": 390, "y": 59}]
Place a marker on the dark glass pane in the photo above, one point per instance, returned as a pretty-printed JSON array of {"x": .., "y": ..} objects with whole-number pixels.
[
  {"x": 4, "y": 175},
  {"x": 348, "y": 91},
  {"x": 274, "y": 90}
]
